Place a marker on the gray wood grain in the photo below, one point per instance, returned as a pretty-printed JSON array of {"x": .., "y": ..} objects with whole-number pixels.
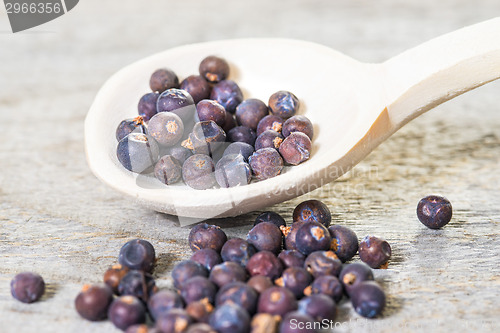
[{"x": 57, "y": 219}]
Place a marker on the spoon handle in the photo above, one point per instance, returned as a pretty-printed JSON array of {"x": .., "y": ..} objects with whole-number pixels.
[{"x": 441, "y": 69}]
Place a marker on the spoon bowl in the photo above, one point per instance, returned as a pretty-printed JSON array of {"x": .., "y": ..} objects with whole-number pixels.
[{"x": 354, "y": 107}]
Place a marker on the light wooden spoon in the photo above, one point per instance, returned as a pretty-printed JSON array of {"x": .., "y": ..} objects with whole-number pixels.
[{"x": 355, "y": 106}]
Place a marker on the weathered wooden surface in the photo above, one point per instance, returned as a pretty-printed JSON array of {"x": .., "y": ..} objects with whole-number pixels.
[{"x": 57, "y": 219}]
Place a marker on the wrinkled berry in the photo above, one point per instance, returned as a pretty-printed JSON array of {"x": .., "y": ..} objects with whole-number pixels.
[
  {"x": 312, "y": 211},
  {"x": 198, "y": 288},
  {"x": 185, "y": 270},
  {"x": 92, "y": 302},
  {"x": 228, "y": 94},
  {"x": 139, "y": 284},
  {"x": 242, "y": 134},
  {"x": 137, "y": 152},
  {"x": 297, "y": 322},
  {"x": 132, "y": 125},
  {"x": 327, "y": 285},
  {"x": 344, "y": 242},
  {"x": 166, "y": 128},
  {"x": 207, "y": 257},
  {"x": 240, "y": 294},
  {"x": 227, "y": 272},
  {"x": 200, "y": 311},
  {"x": 250, "y": 112},
  {"x": 266, "y": 163},
  {"x": 168, "y": 170},
  {"x": 114, "y": 275},
  {"x": 163, "y": 79},
  {"x": 374, "y": 251},
  {"x": 277, "y": 301},
  {"x": 206, "y": 235},
  {"x": 283, "y": 104},
  {"x": 270, "y": 122},
  {"x": 260, "y": 283},
  {"x": 198, "y": 172},
  {"x": 126, "y": 311},
  {"x": 269, "y": 139},
  {"x": 368, "y": 299},
  {"x": 291, "y": 235},
  {"x": 434, "y": 211},
  {"x": 319, "y": 307},
  {"x": 237, "y": 250},
  {"x": 177, "y": 101},
  {"x": 232, "y": 170},
  {"x": 312, "y": 237},
  {"x": 138, "y": 254},
  {"x": 197, "y": 87},
  {"x": 296, "y": 279},
  {"x": 208, "y": 109},
  {"x": 161, "y": 302},
  {"x": 298, "y": 123},
  {"x": 353, "y": 274},
  {"x": 214, "y": 69},
  {"x": 266, "y": 236},
  {"x": 27, "y": 287},
  {"x": 174, "y": 321},
  {"x": 265, "y": 263},
  {"x": 323, "y": 263},
  {"x": 240, "y": 148},
  {"x": 181, "y": 154},
  {"x": 296, "y": 148},
  {"x": 292, "y": 258},
  {"x": 230, "y": 318},
  {"x": 147, "y": 105}
]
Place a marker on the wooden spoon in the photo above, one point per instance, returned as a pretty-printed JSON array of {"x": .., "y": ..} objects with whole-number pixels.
[{"x": 355, "y": 106}]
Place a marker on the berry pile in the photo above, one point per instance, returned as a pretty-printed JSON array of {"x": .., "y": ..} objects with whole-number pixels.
[{"x": 203, "y": 131}]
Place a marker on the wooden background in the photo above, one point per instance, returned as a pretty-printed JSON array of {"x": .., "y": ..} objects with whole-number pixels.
[{"x": 57, "y": 219}]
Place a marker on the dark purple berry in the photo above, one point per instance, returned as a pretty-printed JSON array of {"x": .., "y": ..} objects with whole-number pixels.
[
  {"x": 312, "y": 211},
  {"x": 206, "y": 138},
  {"x": 296, "y": 148},
  {"x": 312, "y": 237},
  {"x": 126, "y": 311},
  {"x": 277, "y": 301},
  {"x": 228, "y": 272},
  {"x": 291, "y": 235},
  {"x": 147, "y": 105},
  {"x": 296, "y": 279},
  {"x": 292, "y": 258},
  {"x": 166, "y": 128},
  {"x": 323, "y": 263},
  {"x": 240, "y": 148},
  {"x": 266, "y": 163},
  {"x": 229, "y": 122},
  {"x": 168, "y": 170},
  {"x": 319, "y": 307},
  {"x": 198, "y": 172},
  {"x": 180, "y": 153},
  {"x": 374, "y": 251},
  {"x": 139, "y": 284},
  {"x": 206, "y": 235},
  {"x": 298, "y": 123},
  {"x": 264, "y": 323},
  {"x": 283, "y": 104},
  {"x": 270, "y": 122},
  {"x": 114, "y": 275},
  {"x": 174, "y": 321},
  {"x": 214, "y": 69},
  {"x": 240, "y": 294},
  {"x": 198, "y": 288},
  {"x": 138, "y": 254},
  {"x": 250, "y": 112},
  {"x": 242, "y": 134},
  {"x": 163, "y": 301},
  {"x": 270, "y": 217},
  {"x": 230, "y": 318},
  {"x": 177, "y": 101},
  {"x": 228, "y": 94},
  {"x": 200, "y": 311},
  {"x": 232, "y": 170},
  {"x": 268, "y": 139},
  {"x": 132, "y": 125},
  {"x": 27, "y": 287},
  {"x": 266, "y": 236},
  {"x": 207, "y": 257},
  {"x": 434, "y": 211},
  {"x": 327, "y": 285},
  {"x": 137, "y": 152},
  {"x": 265, "y": 263},
  {"x": 297, "y": 322},
  {"x": 237, "y": 250},
  {"x": 163, "y": 79},
  {"x": 197, "y": 87},
  {"x": 368, "y": 299},
  {"x": 92, "y": 302},
  {"x": 353, "y": 274},
  {"x": 185, "y": 270},
  {"x": 344, "y": 242},
  {"x": 208, "y": 109},
  {"x": 260, "y": 283}
]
